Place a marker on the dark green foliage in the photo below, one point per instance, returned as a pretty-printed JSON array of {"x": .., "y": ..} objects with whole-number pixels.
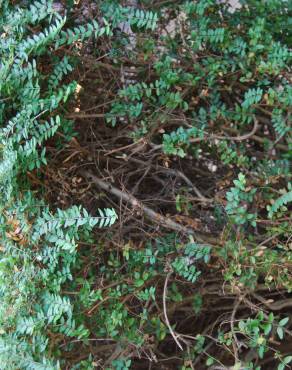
[
  {"x": 38, "y": 247},
  {"x": 217, "y": 89}
]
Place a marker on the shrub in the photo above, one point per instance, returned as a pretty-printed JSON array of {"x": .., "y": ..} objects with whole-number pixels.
[{"x": 217, "y": 90}]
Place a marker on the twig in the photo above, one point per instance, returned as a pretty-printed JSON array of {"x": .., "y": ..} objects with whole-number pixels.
[
  {"x": 190, "y": 184},
  {"x": 274, "y": 306},
  {"x": 88, "y": 340},
  {"x": 125, "y": 147},
  {"x": 257, "y": 139},
  {"x": 271, "y": 222},
  {"x": 178, "y": 174},
  {"x": 85, "y": 115},
  {"x": 152, "y": 215},
  {"x": 241, "y": 137},
  {"x": 136, "y": 187},
  {"x": 165, "y": 311},
  {"x": 269, "y": 239},
  {"x": 235, "y": 344}
]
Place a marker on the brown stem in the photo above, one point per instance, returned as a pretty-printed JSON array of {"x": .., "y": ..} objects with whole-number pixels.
[{"x": 152, "y": 215}]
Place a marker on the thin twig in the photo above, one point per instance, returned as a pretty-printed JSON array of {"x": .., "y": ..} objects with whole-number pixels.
[
  {"x": 274, "y": 306},
  {"x": 235, "y": 344},
  {"x": 180, "y": 174},
  {"x": 85, "y": 115},
  {"x": 165, "y": 311},
  {"x": 152, "y": 215},
  {"x": 257, "y": 138},
  {"x": 125, "y": 147},
  {"x": 241, "y": 137},
  {"x": 88, "y": 340}
]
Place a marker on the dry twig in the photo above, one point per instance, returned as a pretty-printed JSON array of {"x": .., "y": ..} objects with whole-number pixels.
[
  {"x": 150, "y": 213},
  {"x": 165, "y": 311}
]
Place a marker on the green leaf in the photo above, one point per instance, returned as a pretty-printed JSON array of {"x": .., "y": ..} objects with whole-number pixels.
[
  {"x": 210, "y": 361},
  {"x": 287, "y": 360},
  {"x": 284, "y": 321},
  {"x": 280, "y": 332},
  {"x": 261, "y": 351},
  {"x": 267, "y": 328}
]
